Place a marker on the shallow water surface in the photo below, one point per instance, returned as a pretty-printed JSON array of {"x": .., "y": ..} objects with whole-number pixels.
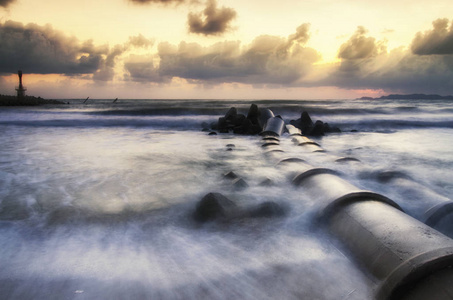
[{"x": 97, "y": 201}]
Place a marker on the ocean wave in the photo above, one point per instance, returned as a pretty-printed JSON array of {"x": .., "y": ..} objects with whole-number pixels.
[
  {"x": 379, "y": 125},
  {"x": 181, "y": 123}
]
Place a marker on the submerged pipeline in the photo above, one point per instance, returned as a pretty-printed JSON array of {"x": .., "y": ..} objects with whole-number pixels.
[{"x": 408, "y": 258}]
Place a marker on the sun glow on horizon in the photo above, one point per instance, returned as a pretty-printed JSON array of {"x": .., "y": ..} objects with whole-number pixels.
[{"x": 252, "y": 46}]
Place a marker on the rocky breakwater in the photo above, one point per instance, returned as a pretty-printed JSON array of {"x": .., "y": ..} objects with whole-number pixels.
[
  {"x": 254, "y": 122},
  {"x": 26, "y": 101},
  {"x": 310, "y": 128}
]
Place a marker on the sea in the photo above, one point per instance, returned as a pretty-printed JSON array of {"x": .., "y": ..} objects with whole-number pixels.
[{"x": 98, "y": 198}]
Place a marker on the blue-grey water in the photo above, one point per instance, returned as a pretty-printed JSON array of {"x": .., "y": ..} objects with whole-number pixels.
[{"x": 97, "y": 198}]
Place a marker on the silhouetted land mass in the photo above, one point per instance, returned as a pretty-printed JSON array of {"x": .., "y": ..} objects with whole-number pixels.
[
  {"x": 410, "y": 97},
  {"x": 25, "y": 101}
]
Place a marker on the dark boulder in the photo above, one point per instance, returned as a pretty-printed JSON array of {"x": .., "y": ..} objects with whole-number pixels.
[
  {"x": 318, "y": 129},
  {"x": 214, "y": 206},
  {"x": 253, "y": 114},
  {"x": 230, "y": 175},
  {"x": 306, "y": 124},
  {"x": 231, "y": 114},
  {"x": 240, "y": 184},
  {"x": 308, "y": 128}
]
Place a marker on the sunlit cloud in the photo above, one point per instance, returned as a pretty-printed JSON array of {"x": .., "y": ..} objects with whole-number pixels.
[
  {"x": 360, "y": 46},
  {"x": 212, "y": 21},
  {"x": 366, "y": 64},
  {"x": 140, "y": 41},
  {"x": 439, "y": 40},
  {"x": 266, "y": 60}
]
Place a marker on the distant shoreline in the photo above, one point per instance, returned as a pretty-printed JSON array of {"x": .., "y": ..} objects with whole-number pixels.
[
  {"x": 409, "y": 97},
  {"x": 6, "y": 100}
]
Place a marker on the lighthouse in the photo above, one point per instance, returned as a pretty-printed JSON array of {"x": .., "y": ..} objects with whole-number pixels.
[{"x": 20, "y": 89}]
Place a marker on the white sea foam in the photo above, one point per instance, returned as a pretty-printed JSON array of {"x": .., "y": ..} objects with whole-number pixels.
[{"x": 95, "y": 207}]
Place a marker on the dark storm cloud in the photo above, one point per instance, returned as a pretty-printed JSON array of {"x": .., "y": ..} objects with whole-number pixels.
[
  {"x": 5, "y": 3},
  {"x": 267, "y": 60},
  {"x": 43, "y": 50},
  {"x": 212, "y": 21},
  {"x": 439, "y": 40}
]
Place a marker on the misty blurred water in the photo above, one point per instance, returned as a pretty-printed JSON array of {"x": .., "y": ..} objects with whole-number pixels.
[{"x": 97, "y": 199}]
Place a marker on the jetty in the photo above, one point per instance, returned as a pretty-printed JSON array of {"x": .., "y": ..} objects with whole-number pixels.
[
  {"x": 21, "y": 99},
  {"x": 406, "y": 255}
]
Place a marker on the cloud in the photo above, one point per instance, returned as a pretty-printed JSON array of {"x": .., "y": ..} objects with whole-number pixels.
[
  {"x": 439, "y": 40},
  {"x": 106, "y": 71},
  {"x": 301, "y": 36},
  {"x": 212, "y": 21},
  {"x": 366, "y": 64},
  {"x": 43, "y": 50},
  {"x": 140, "y": 41},
  {"x": 5, "y": 3},
  {"x": 360, "y": 46},
  {"x": 267, "y": 60},
  {"x": 142, "y": 69}
]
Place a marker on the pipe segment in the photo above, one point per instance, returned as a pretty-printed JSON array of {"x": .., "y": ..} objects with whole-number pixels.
[
  {"x": 399, "y": 251},
  {"x": 433, "y": 209},
  {"x": 409, "y": 259},
  {"x": 274, "y": 127},
  {"x": 264, "y": 115},
  {"x": 298, "y": 139},
  {"x": 437, "y": 210}
]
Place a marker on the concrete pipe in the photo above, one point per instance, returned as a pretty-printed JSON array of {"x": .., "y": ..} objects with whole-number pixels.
[
  {"x": 274, "y": 127},
  {"x": 264, "y": 115},
  {"x": 293, "y": 130},
  {"x": 402, "y": 253},
  {"x": 428, "y": 206}
]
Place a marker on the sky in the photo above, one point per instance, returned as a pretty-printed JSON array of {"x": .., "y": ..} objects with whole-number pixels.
[{"x": 226, "y": 49}]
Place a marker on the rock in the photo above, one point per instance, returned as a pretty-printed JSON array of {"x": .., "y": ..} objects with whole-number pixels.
[
  {"x": 243, "y": 127},
  {"x": 306, "y": 124},
  {"x": 214, "y": 125},
  {"x": 253, "y": 114},
  {"x": 212, "y": 133},
  {"x": 214, "y": 206},
  {"x": 318, "y": 129},
  {"x": 266, "y": 182},
  {"x": 231, "y": 114},
  {"x": 240, "y": 184},
  {"x": 230, "y": 175},
  {"x": 239, "y": 119}
]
